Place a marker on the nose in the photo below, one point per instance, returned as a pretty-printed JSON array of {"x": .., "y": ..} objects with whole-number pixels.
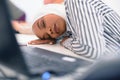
[{"x": 50, "y": 31}]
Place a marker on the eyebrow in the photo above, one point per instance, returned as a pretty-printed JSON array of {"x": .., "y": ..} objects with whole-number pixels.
[{"x": 43, "y": 21}]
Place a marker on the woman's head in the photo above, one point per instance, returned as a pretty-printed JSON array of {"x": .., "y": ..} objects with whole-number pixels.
[{"x": 50, "y": 26}]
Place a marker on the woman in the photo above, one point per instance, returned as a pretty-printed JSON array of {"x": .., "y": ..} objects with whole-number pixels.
[{"x": 94, "y": 27}]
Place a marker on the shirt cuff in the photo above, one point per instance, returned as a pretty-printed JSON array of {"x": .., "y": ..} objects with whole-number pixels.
[{"x": 68, "y": 43}]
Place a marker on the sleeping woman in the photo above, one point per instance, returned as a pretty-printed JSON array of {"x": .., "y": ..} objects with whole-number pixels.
[{"x": 93, "y": 28}]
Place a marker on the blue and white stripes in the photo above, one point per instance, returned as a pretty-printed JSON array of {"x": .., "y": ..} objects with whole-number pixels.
[{"x": 88, "y": 22}]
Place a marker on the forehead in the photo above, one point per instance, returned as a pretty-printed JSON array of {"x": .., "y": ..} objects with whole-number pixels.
[
  {"x": 50, "y": 17},
  {"x": 47, "y": 20}
]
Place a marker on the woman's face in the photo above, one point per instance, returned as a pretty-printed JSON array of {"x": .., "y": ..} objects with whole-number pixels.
[{"x": 49, "y": 26}]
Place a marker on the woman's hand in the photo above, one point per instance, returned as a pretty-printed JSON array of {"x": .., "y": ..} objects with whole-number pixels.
[
  {"x": 39, "y": 41},
  {"x": 61, "y": 42}
]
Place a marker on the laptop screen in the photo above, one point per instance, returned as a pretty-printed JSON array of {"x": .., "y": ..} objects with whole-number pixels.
[
  {"x": 10, "y": 54},
  {"x": 8, "y": 43}
]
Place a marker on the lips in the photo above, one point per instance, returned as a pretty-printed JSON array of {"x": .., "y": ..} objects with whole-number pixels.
[{"x": 56, "y": 28}]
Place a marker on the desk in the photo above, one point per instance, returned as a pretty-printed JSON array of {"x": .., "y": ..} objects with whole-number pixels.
[{"x": 24, "y": 39}]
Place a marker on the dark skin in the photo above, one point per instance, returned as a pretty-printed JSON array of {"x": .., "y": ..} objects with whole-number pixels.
[{"x": 48, "y": 28}]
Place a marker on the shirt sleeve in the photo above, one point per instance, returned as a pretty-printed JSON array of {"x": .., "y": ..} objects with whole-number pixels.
[
  {"x": 112, "y": 33},
  {"x": 85, "y": 24}
]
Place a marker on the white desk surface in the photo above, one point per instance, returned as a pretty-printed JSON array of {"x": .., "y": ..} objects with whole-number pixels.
[{"x": 23, "y": 39}]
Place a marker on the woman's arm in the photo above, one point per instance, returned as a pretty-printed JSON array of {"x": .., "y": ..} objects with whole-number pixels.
[
  {"x": 22, "y": 27},
  {"x": 87, "y": 31}
]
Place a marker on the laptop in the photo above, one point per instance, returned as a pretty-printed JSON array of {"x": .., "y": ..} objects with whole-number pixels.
[{"x": 31, "y": 61}]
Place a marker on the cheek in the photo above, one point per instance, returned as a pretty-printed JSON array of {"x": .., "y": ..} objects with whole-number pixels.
[
  {"x": 38, "y": 33},
  {"x": 63, "y": 27}
]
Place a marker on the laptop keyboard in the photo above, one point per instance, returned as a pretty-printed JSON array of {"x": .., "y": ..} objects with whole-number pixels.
[{"x": 40, "y": 60}]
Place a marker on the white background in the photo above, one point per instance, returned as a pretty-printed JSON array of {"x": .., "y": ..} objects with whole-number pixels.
[
  {"x": 114, "y": 4},
  {"x": 30, "y": 7}
]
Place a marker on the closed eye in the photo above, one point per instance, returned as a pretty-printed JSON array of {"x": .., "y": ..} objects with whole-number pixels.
[{"x": 41, "y": 23}]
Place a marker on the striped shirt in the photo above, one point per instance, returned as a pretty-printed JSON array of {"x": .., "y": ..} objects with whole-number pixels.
[{"x": 95, "y": 28}]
